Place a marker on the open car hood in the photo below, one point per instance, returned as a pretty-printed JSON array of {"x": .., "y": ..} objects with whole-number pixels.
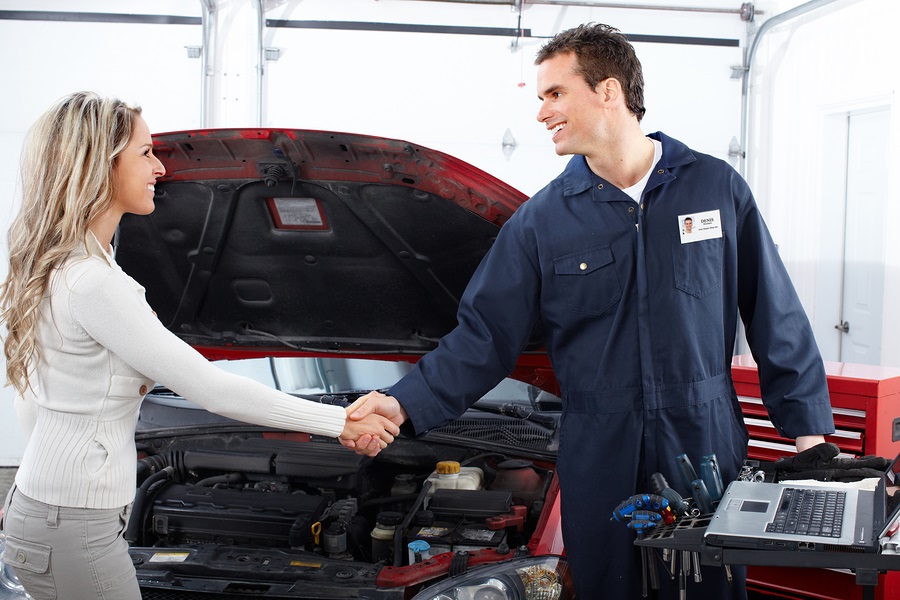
[{"x": 268, "y": 241}]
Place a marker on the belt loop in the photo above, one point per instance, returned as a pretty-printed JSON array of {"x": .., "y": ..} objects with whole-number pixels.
[{"x": 53, "y": 517}]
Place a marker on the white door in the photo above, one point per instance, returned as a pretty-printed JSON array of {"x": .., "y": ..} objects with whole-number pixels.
[{"x": 859, "y": 323}]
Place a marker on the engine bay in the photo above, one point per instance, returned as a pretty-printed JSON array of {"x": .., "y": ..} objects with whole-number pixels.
[{"x": 399, "y": 518}]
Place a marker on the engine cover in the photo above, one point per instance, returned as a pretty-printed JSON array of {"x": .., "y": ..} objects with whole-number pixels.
[{"x": 191, "y": 514}]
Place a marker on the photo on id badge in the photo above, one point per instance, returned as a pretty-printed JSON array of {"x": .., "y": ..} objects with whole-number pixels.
[{"x": 700, "y": 226}]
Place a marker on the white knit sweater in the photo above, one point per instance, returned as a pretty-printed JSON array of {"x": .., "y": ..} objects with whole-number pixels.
[{"x": 101, "y": 349}]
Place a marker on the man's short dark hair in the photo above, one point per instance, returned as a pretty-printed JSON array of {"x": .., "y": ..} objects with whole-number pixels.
[{"x": 602, "y": 52}]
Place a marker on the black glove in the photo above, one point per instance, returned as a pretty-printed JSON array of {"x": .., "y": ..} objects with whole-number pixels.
[{"x": 821, "y": 463}]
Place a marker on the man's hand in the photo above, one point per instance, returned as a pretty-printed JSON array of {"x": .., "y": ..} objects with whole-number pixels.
[
  {"x": 821, "y": 462},
  {"x": 376, "y": 402},
  {"x": 373, "y": 403}
]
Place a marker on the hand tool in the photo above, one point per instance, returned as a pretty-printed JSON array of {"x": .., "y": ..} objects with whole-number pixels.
[
  {"x": 688, "y": 474},
  {"x": 711, "y": 476},
  {"x": 660, "y": 487},
  {"x": 639, "y": 502},
  {"x": 642, "y": 520},
  {"x": 701, "y": 496},
  {"x": 695, "y": 558}
]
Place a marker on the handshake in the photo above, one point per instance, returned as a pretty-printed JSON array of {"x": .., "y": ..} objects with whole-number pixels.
[{"x": 372, "y": 422}]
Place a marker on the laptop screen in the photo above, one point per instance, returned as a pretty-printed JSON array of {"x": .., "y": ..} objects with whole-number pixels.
[{"x": 890, "y": 495}]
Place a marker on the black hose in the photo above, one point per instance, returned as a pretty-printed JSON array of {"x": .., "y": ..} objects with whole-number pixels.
[
  {"x": 140, "y": 499},
  {"x": 149, "y": 465},
  {"x": 227, "y": 478}
]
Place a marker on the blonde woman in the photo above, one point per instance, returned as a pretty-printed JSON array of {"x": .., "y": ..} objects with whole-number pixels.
[{"x": 83, "y": 347}]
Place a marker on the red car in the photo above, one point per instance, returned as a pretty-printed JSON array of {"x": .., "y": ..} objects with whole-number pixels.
[{"x": 326, "y": 264}]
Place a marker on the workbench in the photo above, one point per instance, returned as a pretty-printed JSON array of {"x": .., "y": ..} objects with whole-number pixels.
[{"x": 686, "y": 535}]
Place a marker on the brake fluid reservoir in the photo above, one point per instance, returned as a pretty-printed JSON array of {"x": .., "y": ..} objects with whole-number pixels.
[
  {"x": 449, "y": 475},
  {"x": 383, "y": 535}
]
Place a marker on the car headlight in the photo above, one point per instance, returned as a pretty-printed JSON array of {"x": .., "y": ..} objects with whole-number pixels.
[
  {"x": 539, "y": 578},
  {"x": 10, "y": 588}
]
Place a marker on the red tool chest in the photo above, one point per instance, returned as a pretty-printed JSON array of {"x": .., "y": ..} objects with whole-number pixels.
[{"x": 866, "y": 404}]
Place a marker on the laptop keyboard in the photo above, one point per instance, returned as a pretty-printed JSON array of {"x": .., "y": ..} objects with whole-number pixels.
[{"x": 809, "y": 512}]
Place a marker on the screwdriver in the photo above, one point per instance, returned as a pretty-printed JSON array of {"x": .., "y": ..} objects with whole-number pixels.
[
  {"x": 651, "y": 502},
  {"x": 688, "y": 474},
  {"x": 711, "y": 476},
  {"x": 642, "y": 520},
  {"x": 660, "y": 486},
  {"x": 701, "y": 496}
]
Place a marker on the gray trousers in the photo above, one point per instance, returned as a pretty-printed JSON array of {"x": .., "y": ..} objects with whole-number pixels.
[{"x": 62, "y": 553}]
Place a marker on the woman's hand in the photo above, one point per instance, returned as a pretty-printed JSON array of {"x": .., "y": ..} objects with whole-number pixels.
[{"x": 364, "y": 418}]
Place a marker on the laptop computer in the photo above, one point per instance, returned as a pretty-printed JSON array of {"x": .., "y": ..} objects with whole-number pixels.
[{"x": 805, "y": 516}]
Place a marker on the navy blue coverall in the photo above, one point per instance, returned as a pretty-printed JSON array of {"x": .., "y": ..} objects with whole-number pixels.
[{"x": 640, "y": 329}]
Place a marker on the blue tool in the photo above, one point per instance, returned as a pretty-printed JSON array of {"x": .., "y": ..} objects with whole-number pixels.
[
  {"x": 688, "y": 474},
  {"x": 711, "y": 476},
  {"x": 642, "y": 520},
  {"x": 639, "y": 502},
  {"x": 701, "y": 496}
]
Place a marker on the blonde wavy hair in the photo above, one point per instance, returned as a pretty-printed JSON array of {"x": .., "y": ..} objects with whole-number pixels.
[{"x": 66, "y": 171}]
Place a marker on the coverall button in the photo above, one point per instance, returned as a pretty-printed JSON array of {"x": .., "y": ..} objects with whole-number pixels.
[
  {"x": 661, "y": 171},
  {"x": 20, "y": 556},
  {"x": 582, "y": 266},
  {"x": 143, "y": 390},
  {"x": 631, "y": 209},
  {"x": 599, "y": 186}
]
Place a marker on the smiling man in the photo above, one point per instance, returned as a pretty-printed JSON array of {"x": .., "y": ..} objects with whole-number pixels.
[{"x": 640, "y": 320}]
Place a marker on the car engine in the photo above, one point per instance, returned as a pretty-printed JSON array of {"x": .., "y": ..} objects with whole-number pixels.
[{"x": 415, "y": 500}]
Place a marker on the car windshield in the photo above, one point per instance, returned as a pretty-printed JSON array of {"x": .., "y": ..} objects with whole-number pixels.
[{"x": 311, "y": 376}]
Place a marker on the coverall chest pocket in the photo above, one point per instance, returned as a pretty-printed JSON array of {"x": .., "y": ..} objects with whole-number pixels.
[
  {"x": 588, "y": 280},
  {"x": 698, "y": 266}
]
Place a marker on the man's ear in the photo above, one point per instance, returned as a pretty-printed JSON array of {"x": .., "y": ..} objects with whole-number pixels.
[{"x": 609, "y": 89}]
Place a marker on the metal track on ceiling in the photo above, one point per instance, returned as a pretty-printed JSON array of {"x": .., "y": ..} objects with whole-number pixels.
[{"x": 746, "y": 11}]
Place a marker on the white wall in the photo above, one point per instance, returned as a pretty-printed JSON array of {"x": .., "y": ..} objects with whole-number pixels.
[
  {"x": 41, "y": 61},
  {"x": 807, "y": 71}
]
